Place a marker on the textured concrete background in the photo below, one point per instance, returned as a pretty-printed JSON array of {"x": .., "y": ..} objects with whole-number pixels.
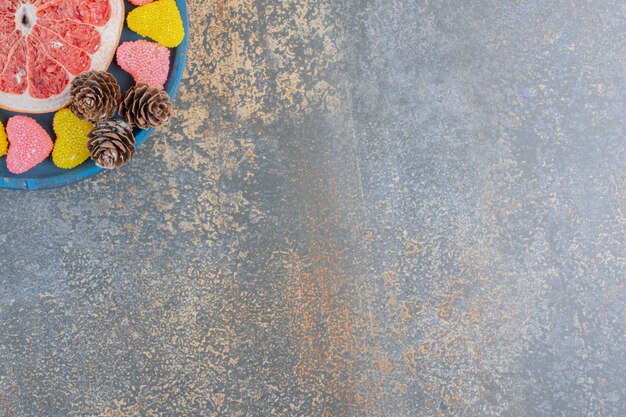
[{"x": 363, "y": 208}]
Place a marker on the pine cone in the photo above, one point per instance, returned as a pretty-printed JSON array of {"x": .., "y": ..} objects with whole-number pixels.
[
  {"x": 145, "y": 107},
  {"x": 95, "y": 96},
  {"x": 111, "y": 143}
]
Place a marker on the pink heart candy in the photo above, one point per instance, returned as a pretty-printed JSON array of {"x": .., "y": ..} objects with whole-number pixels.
[
  {"x": 147, "y": 62},
  {"x": 29, "y": 144}
]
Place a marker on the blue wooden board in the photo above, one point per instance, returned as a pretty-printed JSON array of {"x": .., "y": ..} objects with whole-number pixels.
[{"x": 46, "y": 174}]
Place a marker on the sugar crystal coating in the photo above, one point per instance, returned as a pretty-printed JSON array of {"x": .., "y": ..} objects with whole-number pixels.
[
  {"x": 159, "y": 20},
  {"x": 70, "y": 147},
  {"x": 147, "y": 62},
  {"x": 4, "y": 142},
  {"x": 29, "y": 144}
]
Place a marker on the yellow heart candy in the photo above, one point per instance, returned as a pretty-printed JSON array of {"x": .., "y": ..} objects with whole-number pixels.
[
  {"x": 4, "y": 142},
  {"x": 159, "y": 20},
  {"x": 70, "y": 148}
]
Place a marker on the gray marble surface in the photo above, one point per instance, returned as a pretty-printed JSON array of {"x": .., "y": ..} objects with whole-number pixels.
[{"x": 363, "y": 208}]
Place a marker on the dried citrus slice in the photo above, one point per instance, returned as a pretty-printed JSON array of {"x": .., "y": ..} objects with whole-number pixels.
[{"x": 44, "y": 44}]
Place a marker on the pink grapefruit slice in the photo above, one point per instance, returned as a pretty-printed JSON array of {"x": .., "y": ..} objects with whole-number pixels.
[{"x": 45, "y": 44}]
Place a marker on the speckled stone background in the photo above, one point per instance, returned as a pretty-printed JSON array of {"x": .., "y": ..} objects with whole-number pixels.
[{"x": 363, "y": 208}]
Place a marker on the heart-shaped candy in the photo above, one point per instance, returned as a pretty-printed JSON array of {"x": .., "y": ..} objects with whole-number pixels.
[
  {"x": 70, "y": 146},
  {"x": 4, "y": 143},
  {"x": 29, "y": 144},
  {"x": 147, "y": 62},
  {"x": 159, "y": 20}
]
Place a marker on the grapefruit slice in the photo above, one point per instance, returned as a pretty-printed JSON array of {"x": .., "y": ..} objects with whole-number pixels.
[{"x": 45, "y": 44}]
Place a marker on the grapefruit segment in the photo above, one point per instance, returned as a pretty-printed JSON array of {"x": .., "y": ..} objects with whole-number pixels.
[
  {"x": 6, "y": 47},
  {"x": 7, "y": 25},
  {"x": 13, "y": 77},
  {"x": 9, "y": 6},
  {"x": 44, "y": 44},
  {"x": 92, "y": 12},
  {"x": 74, "y": 60},
  {"x": 80, "y": 35},
  {"x": 46, "y": 77}
]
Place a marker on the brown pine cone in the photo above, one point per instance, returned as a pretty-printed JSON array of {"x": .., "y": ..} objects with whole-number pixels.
[
  {"x": 95, "y": 96},
  {"x": 145, "y": 106},
  {"x": 111, "y": 143}
]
